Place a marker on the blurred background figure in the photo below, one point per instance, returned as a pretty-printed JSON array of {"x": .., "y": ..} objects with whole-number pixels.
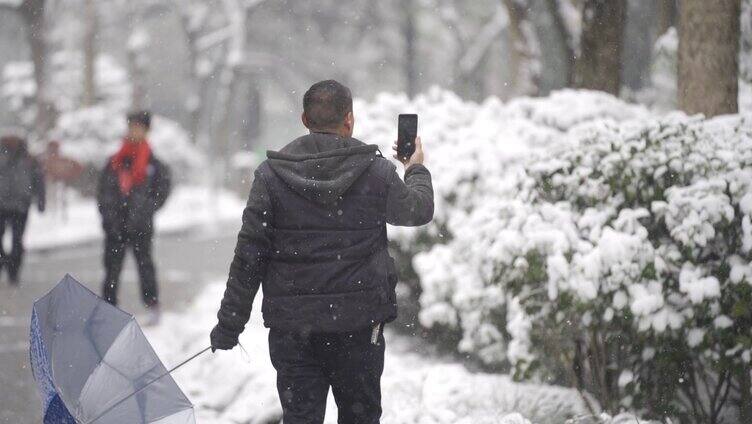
[
  {"x": 59, "y": 173},
  {"x": 21, "y": 183},
  {"x": 132, "y": 187}
]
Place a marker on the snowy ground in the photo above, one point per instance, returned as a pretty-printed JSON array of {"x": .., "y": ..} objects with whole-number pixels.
[
  {"x": 187, "y": 207},
  {"x": 239, "y": 387}
]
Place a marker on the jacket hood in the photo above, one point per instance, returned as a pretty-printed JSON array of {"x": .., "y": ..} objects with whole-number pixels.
[{"x": 322, "y": 167}]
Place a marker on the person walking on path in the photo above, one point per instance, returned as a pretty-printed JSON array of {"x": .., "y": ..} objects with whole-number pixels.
[
  {"x": 133, "y": 186},
  {"x": 314, "y": 238},
  {"x": 21, "y": 184}
]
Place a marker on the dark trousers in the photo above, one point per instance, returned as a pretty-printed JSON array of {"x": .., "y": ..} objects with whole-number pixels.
[
  {"x": 307, "y": 365},
  {"x": 115, "y": 246},
  {"x": 16, "y": 222}
]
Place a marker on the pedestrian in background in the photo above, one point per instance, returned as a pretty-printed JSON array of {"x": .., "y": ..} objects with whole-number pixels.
[
  {"x": 21, "y": 184},
  {"x": 133, "y": 186}
]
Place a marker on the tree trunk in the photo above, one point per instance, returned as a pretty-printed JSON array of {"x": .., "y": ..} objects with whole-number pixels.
[
  {"x": 230, "y": 81},
  {"x": 666, "y": 16},
  {"x": 708, "y": 56},
  {"x": 566, "y": 37},
  {"x": 523, "y": 53},
  {"x": 195, "y": 100},
  {"x": 254, "y": 115},
  {"x": 745, "y": 395},
  {"x": 410, "y": 63},
  {"x": 598, "y": 67},
  {"x": 32, "y": 12},
  {"x": 137, "y": 73},
  {"x": 638, "y": 45},
  {"x": 90, "y": 53}
]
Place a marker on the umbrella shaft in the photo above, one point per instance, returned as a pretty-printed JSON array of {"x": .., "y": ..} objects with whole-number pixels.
[{"x": 168, "y": 372}]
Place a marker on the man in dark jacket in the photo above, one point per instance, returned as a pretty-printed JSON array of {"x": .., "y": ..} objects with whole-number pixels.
[
  {"x": 314, "y": 237},
  {"x": 21, "y": 183},
  {"x": 132, "y": 187}
]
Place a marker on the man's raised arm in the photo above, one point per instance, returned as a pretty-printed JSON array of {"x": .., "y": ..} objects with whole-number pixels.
[{"x": 410, "y": 203}]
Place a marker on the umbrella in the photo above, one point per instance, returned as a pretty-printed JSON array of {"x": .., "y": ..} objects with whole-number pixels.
[{"x": 93, "y": 364}]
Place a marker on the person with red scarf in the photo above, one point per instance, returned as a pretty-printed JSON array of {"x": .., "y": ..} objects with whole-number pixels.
[{"x": 132, "y": 187}]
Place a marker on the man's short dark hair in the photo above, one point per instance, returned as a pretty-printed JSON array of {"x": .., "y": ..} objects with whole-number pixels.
[
  {"x": 142, "y": 117},
  {"x": 326, "y": 104}
]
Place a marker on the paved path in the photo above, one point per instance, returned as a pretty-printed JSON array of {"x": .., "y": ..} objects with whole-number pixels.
[{"x": 184, "y": 262}]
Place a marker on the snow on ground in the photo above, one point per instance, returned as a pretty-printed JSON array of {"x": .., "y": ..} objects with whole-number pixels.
[
  {"x": 239, "y": 386},
  {"x": 187, "y": 207}
]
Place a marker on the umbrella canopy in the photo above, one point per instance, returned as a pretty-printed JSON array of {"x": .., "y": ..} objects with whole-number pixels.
[{"x": 87, "y": 356}]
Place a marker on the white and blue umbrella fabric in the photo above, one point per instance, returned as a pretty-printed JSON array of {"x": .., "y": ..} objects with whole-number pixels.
[{"x": 93, "y": 364}]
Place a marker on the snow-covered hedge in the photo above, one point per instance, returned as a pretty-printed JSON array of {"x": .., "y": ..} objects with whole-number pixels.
[
  {"x": 581, "y": 240},
  {"x": 626, "y": 256},
  {"x": 469, "y": 149},
  {"x": 468, "y": 145}
]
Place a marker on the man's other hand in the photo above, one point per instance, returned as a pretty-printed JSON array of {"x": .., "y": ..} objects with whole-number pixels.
[
  {"x": 416, "y": 158},
  {"x": 222, "y": 340}
]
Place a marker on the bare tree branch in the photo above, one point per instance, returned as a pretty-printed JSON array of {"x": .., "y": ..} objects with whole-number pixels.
[{"x": 525, "y": 51}]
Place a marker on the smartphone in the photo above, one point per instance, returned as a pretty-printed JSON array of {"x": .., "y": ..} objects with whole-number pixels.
[{"x": 407, "y": 130}]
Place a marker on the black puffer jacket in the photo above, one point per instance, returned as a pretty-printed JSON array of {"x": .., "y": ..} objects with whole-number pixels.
[
  {"x": 21, "y": 180},
  {"x": 134, "y": 213},
  {"x": 314, "y": 236}
]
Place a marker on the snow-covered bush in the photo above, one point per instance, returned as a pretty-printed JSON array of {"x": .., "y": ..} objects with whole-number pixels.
[
  {"x": 469, "y": 149},
  {"x": 468, "y": 144},
  {"x": 618, "y": 264},
  {"x": 582, "y": 241}
]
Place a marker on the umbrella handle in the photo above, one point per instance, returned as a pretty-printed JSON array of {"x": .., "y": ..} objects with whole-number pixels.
[{"x": 168, "y": 372}]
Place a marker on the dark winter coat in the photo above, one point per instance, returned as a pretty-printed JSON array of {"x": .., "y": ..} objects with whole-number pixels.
[
  {"x": 132, "y": 213},
  {"x": 314, "y": 236},
  {"x": 21, "y": 181}
]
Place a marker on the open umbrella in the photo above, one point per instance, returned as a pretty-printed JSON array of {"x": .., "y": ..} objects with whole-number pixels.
[{"x": 93, "y": 364}]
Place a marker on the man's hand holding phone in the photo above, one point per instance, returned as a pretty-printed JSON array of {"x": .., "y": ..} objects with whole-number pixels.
[
  {"x": 407, "y": 148},
  {"x": 416, "y": 158}
]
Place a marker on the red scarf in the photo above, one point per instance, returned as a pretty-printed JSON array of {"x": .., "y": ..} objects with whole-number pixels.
[{"x": 138, "y": 155}]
